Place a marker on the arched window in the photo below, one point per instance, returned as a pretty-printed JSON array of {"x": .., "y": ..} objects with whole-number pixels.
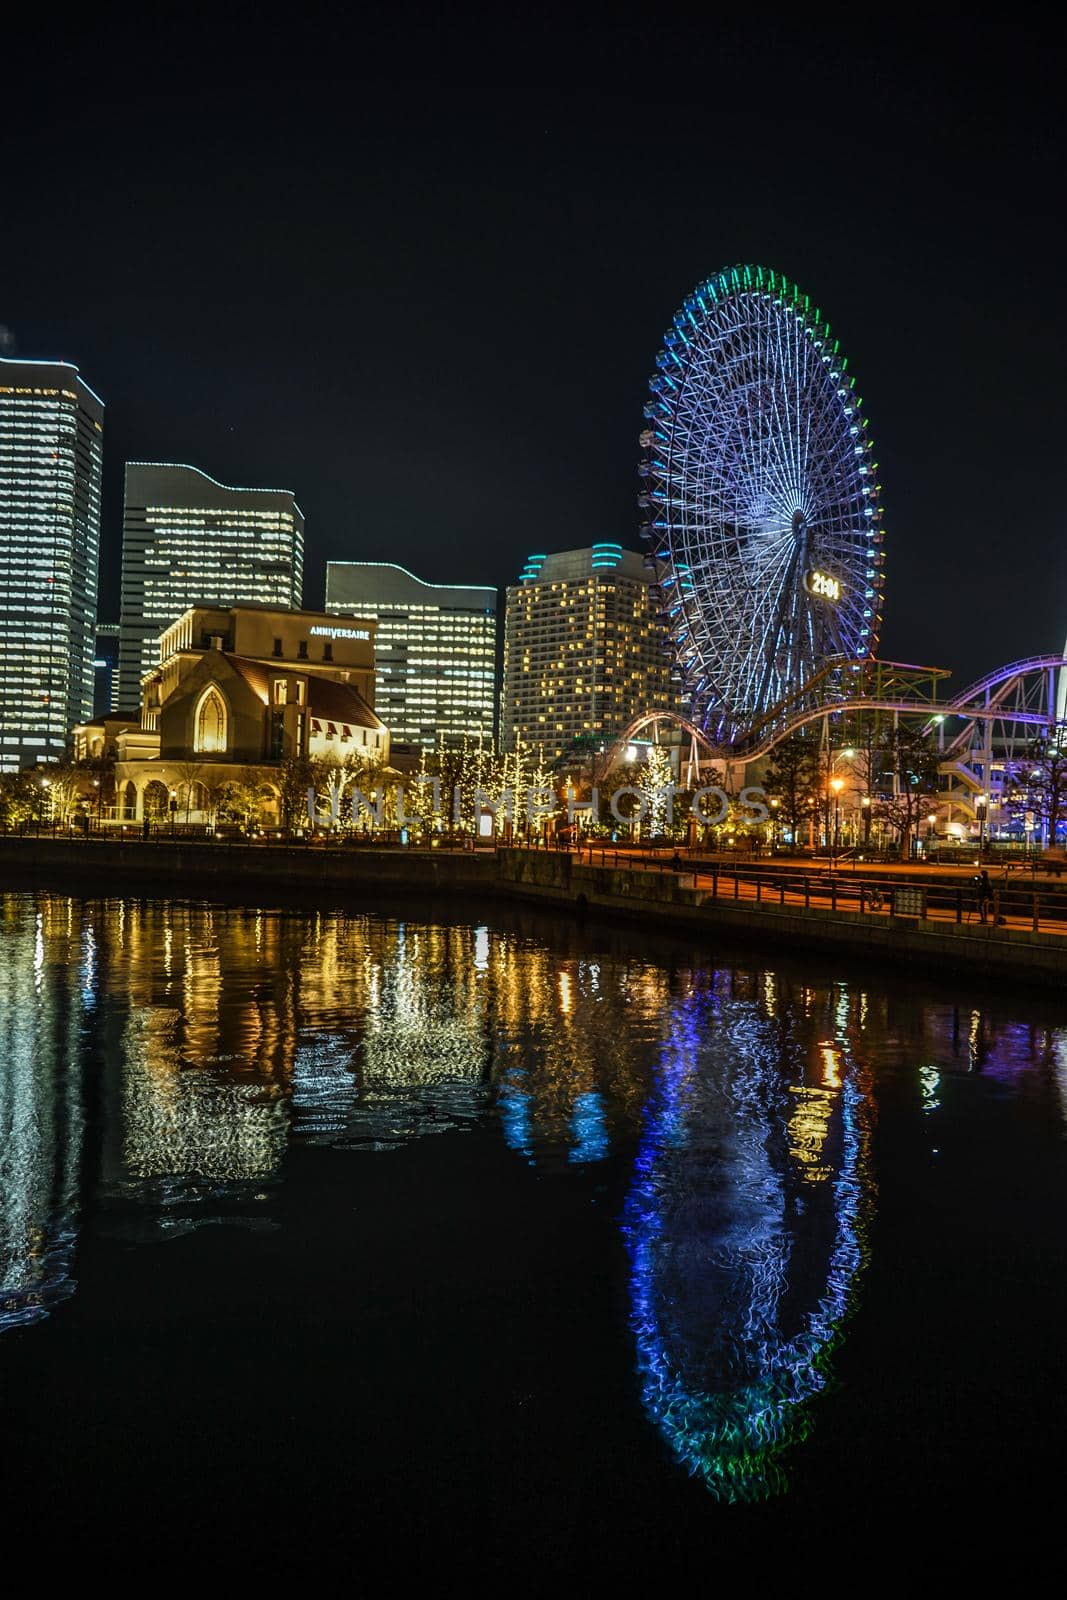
[{"x": 210, "y": 734}]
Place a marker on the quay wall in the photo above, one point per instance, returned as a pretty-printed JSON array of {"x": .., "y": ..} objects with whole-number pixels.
[
  {"x": 191, "y": 867},
  {"x": 195, "y": 868}
]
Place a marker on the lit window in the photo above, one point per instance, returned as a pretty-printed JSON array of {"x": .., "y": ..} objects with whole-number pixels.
[{"x": 211, "y": 723}]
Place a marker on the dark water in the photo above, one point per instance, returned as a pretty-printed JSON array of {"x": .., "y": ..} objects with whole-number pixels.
[{"x": 508, "y": 1246}]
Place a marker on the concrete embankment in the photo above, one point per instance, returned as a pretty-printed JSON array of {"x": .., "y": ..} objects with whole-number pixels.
[
  {"x": 367, "y": 874},
  {"x": 972, "y": 947},
  {"x": 202, "y": 867}
]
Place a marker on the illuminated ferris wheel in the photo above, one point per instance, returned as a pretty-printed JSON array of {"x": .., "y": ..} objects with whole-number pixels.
[{"x": 761, "y": 499}]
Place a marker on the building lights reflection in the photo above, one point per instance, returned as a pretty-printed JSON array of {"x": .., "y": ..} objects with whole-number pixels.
[
  {"x": 420, "y": 1063},
  {"x": 831, "y": 1065},
  {"x": 213, "y": 1040},
  {"x": 570, "y": 1049},
  {"x": 42, "y": 1123},
  {"x": 200, "y": 1127}
]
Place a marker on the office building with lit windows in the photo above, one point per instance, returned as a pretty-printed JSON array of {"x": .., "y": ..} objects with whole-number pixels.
[
  {"x": 435, "y": 651},
  {"x": 51, "y": 460},
  {"x": 106, "y": 668},
  {"x": 187, "y": 539},
  {"x": 585, "y": 650}
]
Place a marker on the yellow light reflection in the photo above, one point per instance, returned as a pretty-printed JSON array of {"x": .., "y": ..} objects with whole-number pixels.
[
  {"x": 808, "y": 1128},
  {"x": 831, "y": 1065}
]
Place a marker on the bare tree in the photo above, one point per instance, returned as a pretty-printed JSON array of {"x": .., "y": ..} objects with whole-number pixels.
[
  {"x": 189, "y": 773},
  {"x": 295, "y": 777},
  {"x": 907, "y": 779},
  {"x": 792, "y": 778},
  {"x": 215, "y": 790},
  {"x": 1041, "y": 783}
]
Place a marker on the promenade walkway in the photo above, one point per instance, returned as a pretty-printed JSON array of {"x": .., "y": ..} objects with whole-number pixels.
[{"x": 1022, "y": 898}]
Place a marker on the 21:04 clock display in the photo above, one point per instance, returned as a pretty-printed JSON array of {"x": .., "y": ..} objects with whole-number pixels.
[{"x": 823, "y": 585}]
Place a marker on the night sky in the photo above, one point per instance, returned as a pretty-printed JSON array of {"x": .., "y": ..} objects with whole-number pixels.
[{"x": 418, "y": 270}]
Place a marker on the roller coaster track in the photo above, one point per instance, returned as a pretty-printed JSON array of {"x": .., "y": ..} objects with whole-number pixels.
[{"x": 1021, "y": 695}]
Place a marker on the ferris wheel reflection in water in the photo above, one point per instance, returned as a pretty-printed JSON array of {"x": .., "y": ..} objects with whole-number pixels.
[{"x": 746, "y": 1225}]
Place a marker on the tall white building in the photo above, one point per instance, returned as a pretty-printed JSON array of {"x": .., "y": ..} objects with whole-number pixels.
[
  {"x": 51, "y": 460},
  {"x": 187, "y": 540},
  {"x": 434, "y": 652}
]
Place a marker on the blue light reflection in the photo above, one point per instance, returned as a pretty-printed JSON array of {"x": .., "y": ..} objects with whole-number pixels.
[{"x": 745, "y": 1225}]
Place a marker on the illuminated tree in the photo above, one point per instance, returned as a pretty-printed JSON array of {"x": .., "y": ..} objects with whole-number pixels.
[
  {"x": 654, "y": 783},
  {"x": 64, "y": 783},
  {"x": 246, "y": 796},
  {"x": 155, "y": 800},
  {"x": 419, "y": 794},
  {"x": 467, "y": 770},
  {"x": 20, "y": 799}
]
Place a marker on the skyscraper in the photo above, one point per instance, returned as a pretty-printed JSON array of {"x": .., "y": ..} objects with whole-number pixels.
[
  {"x": 584, "y": 650},
  {"x": 187, "y": 540},
  {"x": 106, "y": 669},
  {"x": 435, "y": 649},
  {"x": 51, "y": 458}
]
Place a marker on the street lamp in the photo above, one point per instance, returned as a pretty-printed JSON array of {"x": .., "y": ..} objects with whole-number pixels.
[
  {"x": 865, "y": 806},
  {"x": 836, "y": 784},
  {"x": 981, "y": 811},
  {"x": 931, "y": 822},
  {"x": 774, "y": 824}
]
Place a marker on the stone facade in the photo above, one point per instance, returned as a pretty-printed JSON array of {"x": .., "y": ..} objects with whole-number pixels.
[{"x": 238, "y": 693}]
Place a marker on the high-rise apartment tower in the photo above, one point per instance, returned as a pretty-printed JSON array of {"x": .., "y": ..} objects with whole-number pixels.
[{"x": 584, "y": 650}]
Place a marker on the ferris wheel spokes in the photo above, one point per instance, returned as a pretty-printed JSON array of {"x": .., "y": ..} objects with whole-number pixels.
[{"x": 765, "y": 524}]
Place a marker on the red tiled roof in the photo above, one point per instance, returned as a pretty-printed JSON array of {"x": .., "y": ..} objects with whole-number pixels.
[
  {"x": 340, "y": 702},
  {"x": 253, "y": 672}
]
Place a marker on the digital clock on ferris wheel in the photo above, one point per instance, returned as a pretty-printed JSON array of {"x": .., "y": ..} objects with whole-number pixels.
[{"x": 823, "y": 585}]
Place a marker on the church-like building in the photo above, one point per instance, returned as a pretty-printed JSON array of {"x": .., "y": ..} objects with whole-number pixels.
[{"x": 239, "y": 691}]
